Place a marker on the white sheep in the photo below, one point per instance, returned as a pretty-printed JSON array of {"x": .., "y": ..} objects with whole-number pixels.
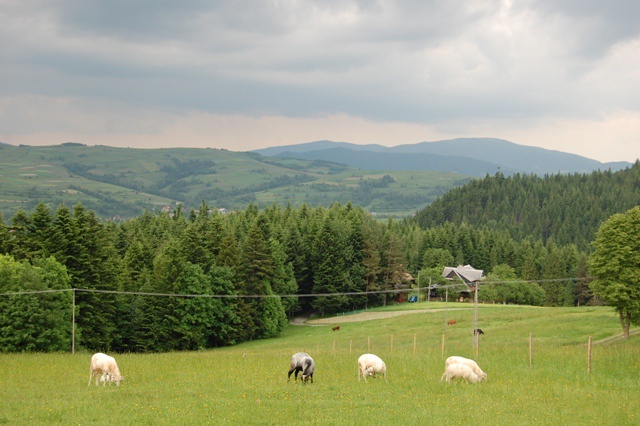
[
  {"x": 370, "y": 365},
  {"x": 459, "y": 371},
  {"x": 471, "y": 363},
  {"x": 302, "y": 362},
  {"x": 105, "y": 366}
]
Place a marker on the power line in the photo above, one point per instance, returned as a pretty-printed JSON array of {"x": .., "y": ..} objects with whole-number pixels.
[{"x": 258, "y": 296}]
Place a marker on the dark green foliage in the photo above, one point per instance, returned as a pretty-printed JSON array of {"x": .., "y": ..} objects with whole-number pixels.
[
  {"x": 503, "y": 286},
  {"x": 615, "y": 264},
  {"x": 93, "y": 264},
  {"x": 34, "y": 322},
  {"x": 566, "y": 208}
]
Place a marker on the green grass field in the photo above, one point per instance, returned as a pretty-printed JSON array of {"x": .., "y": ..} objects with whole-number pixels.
[{"x": 247, "y": 384}]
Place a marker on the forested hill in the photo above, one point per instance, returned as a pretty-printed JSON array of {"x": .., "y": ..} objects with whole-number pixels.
[{"x": 565, "y": 208}]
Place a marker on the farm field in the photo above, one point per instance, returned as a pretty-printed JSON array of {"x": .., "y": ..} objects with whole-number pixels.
[{"x": 247, "y": 384}]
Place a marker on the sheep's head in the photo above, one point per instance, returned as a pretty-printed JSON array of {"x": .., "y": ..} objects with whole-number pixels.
[
  {"x": 117, "y": 379},
  {"x": 370, "y": 371},
  {"x": 305, "y": 377}
]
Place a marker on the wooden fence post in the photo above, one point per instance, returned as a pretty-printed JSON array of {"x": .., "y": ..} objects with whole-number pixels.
[
  {"x": 443, "y": 345},
  {"x": 589, "y": 356},
  {"x": 530, "y": 349}
]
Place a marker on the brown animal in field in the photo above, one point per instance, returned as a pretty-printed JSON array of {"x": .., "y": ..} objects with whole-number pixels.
[
  {"x": 336, "y": 328},
  {"x": 451, "y": 322}
]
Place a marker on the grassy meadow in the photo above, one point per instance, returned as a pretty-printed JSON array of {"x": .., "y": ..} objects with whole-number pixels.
[{"x": 247, "y": 384}]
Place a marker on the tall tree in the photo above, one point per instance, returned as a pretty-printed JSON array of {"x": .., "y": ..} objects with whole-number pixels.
[
  {"x": 94, "y": 265},
  {"x": 614, "y": 264}
]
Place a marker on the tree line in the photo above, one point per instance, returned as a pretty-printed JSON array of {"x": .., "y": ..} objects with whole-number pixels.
[{"x": 306, "y": 251}]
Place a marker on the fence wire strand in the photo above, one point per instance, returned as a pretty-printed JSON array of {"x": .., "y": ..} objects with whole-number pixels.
[{"x": 258, "y": 296}]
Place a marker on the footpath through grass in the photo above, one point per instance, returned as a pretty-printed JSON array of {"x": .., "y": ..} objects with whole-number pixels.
[{"x": 247, "y": 384}]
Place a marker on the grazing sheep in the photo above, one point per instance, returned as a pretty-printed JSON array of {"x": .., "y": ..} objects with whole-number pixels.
[
  {"x": 451, "y": 322},
  {"x": 471, "y": 363},
  {"x": 302, "y": 362},
  {"x": 478, "y": 331},
  {"x": 106, "y": 366},
  {"x": 336, "y": 328},
  {"x": 370, "y": 365},
  {"x": 459, "y": 371}
]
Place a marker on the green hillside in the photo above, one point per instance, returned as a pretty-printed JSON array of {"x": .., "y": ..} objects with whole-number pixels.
[
  {"x": 565, "y": 209},
  {"x": 124, "y": 181}
]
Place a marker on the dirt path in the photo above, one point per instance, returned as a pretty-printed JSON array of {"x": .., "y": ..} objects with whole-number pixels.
[
  {"x": 616, "y": 337},
  {"x": 365, "y": 316}
]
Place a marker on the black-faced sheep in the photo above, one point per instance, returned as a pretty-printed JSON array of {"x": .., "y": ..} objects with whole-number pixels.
[{"x": 302, "y": 362}]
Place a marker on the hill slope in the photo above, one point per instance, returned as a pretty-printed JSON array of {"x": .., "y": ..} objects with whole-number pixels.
[
  {"x": 124, "y": 182},
  {"x": 565, "y": 208}
]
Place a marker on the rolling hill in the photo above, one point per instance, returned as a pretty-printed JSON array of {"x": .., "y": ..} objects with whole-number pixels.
[{"x": 124, "y": 182}]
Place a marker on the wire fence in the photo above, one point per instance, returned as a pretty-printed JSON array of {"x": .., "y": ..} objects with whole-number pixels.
[{"x": 427, "y": 289}]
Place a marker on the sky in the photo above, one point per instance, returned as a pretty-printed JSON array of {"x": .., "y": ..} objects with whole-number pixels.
[{"x": 242, "y": 75}]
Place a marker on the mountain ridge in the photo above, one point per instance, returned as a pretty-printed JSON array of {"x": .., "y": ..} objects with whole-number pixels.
[{"x": 476, "y": 156}]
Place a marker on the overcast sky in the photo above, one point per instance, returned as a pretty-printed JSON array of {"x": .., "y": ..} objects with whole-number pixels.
[{"x": 243, "y": 75}]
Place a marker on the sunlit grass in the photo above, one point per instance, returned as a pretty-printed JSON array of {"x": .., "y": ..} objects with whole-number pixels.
[{"x": 247, "y": 384}]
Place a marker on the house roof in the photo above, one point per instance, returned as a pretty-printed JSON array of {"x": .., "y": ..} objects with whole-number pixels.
[{"x": 466, "y": 273}]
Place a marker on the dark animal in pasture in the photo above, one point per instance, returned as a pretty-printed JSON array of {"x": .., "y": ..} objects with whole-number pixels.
[
  {"x": 478, "y": 331},
  {"x": 451, "y": 322},
  {"x": 336, "y": 328},
  {"x": 301, "y": 362}
]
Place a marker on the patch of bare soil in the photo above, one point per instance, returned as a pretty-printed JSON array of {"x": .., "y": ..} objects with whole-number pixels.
[{"x": 298, "y": 320}]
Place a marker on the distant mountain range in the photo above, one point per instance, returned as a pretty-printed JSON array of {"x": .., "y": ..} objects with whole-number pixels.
[{"x": 470, "y": 156}]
